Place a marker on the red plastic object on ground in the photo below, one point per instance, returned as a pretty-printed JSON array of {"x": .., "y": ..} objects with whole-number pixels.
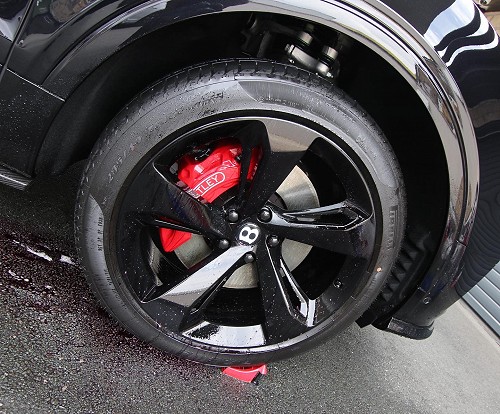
[
  {"x": 208, "y": 179},
  {"x": 245, "y": 374}
]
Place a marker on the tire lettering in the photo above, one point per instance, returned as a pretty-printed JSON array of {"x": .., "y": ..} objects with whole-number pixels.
[{"x": 393, "y": 221}]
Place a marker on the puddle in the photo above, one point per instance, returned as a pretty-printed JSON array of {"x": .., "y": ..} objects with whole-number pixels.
[{"x": 35, "y": 270}]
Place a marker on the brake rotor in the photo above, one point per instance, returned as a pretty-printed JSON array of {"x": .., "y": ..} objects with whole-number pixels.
[{"x": 296, "y": 192}]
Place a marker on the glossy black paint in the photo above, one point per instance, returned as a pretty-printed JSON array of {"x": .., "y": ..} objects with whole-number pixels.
[
  {"x": 26, "y": 112},
  {"x": 121, "y": 22},
  {"x": 4, "y": 49},
  {"x": 58, "y": 55}
]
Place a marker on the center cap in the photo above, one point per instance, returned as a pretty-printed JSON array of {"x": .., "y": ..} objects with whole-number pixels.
[{"x": 248, "y": 234}]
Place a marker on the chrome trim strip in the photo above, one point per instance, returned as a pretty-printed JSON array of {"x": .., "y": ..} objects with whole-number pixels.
[{"x": 13, "y": 179}]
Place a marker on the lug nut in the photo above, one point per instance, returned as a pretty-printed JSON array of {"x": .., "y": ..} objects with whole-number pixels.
[
  {"x": 233, "y": 216},
  {"x": 224, "y": 244},
  {"x": 249, "y": 258},
  {"x": 265, "y": 215},
  {"x": 273, "y": 241}
]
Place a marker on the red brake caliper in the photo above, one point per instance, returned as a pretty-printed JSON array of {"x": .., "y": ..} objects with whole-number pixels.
[{"x": 207, "y": 178}]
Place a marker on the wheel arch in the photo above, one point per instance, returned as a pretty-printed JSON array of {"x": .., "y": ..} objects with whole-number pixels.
[{"x": 374, "y": 25}]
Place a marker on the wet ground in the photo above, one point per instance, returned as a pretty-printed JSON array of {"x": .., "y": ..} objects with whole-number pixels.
[{"x": 60, "y": 353}]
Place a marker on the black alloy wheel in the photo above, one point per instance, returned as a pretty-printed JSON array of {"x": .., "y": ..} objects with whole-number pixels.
[{"x": 238, "y": 212}]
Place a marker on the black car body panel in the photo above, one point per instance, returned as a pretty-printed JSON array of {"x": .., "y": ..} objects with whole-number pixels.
[
  {"x": 457, "y": 39},
  {"x": 444, "y": 49}
]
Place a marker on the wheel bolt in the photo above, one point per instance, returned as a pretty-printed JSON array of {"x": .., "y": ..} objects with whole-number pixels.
[
  {"x": 249, "y": 258},
  {"x": 265, "y": 215},
  {"x": 233, "y": 216},
  {"x": 224, "y": 244},
  {"x": 273, "y": 241}
]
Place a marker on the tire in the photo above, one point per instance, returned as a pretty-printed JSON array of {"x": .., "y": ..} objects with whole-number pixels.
[{"x": 293, "y": 251}]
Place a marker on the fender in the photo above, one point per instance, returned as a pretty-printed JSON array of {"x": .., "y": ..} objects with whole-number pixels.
[{"x": 427, "y": 50}]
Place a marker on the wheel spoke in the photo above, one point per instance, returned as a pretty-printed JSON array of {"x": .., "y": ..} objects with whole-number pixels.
[
  {"x": 151, "y": 220},
  {"x": 287, "y": 309},
  {"x": 154, "y": 199},
  {"x": 346, "y": 208},
  {"x": 281, "y": 145},
  {"x": 251, "y": 137},
  {"x": 354, "y": 239},
  {"x": 307, "y": 307},
  {"x": 203, "y": 280}
]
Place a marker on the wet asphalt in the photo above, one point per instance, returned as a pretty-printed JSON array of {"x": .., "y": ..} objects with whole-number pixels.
[{"x": 60, "y": 353}]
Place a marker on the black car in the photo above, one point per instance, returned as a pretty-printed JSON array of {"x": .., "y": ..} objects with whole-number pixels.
[{"x": 261, "y": 174}]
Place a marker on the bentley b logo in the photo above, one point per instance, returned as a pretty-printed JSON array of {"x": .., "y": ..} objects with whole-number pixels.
[{"x": 249, "y": 234}]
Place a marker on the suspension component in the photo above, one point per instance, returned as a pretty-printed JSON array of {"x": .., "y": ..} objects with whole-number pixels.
[
  {"x": 307, "y": 51},
  {"x": 308, "y": 46}
]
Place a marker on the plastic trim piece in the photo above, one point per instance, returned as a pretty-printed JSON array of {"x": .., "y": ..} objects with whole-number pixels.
[{"x": 409, "y": 330}]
